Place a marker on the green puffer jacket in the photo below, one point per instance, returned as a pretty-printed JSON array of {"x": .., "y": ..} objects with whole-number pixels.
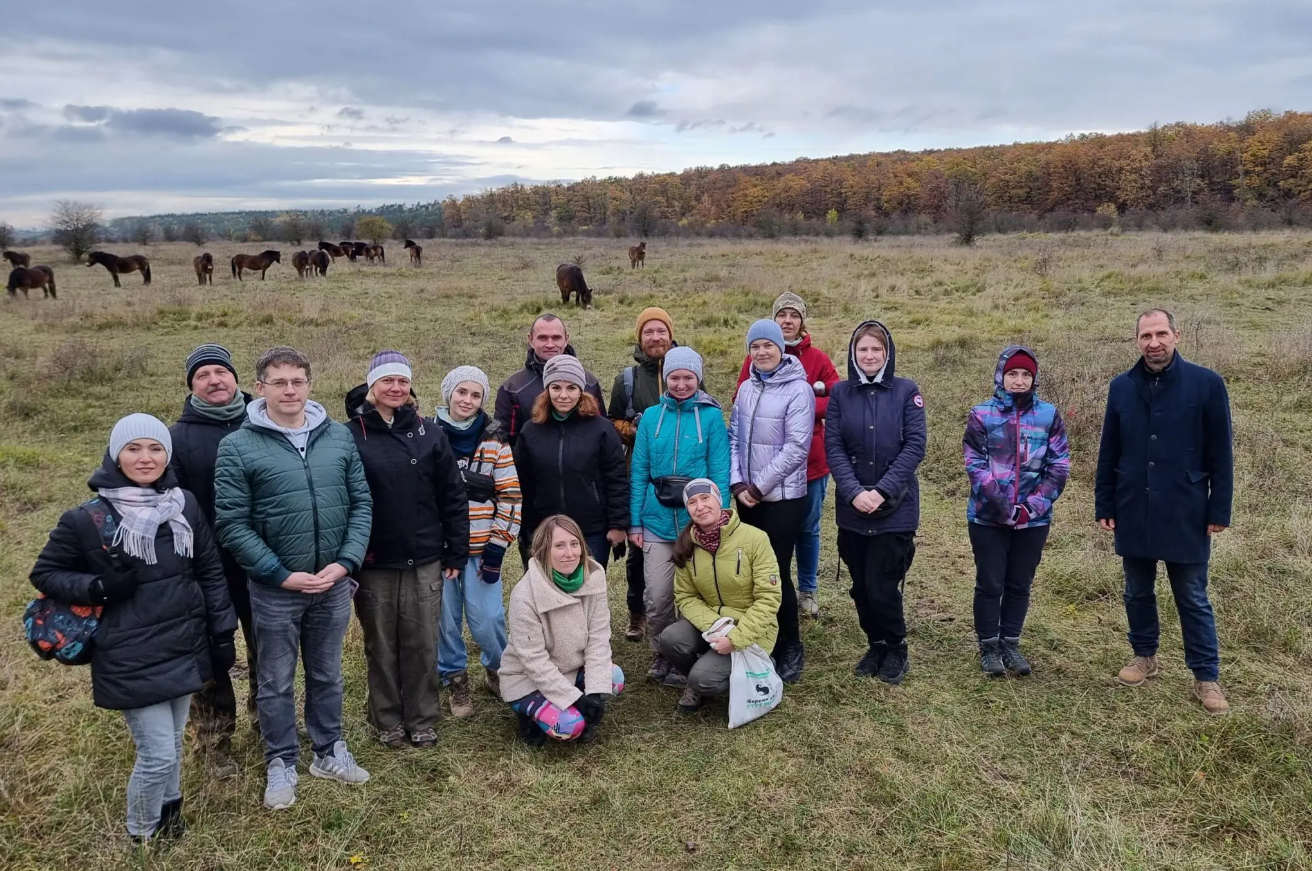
[
  {"x": 278, "y": 513},
  {"x": 740, "y": 581}
]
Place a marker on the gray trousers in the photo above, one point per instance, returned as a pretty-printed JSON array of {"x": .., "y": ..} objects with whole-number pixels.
[
  {"x": 157, "y": 776},
  {"x": 400, "y": 611},
  {"x": 708, "y": 672},
  {"x": 658, "y": 594}
]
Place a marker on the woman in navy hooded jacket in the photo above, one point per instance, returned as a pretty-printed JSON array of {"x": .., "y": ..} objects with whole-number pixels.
[
  {"x": 874, "y": 440},
  {"x": 1018, "y": 462}
]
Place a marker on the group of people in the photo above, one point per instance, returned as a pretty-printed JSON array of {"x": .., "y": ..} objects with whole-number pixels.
[{"x": 261, "y": 512}]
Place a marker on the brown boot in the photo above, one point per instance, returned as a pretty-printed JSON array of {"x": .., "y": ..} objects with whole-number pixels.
[
  {"x": 1139, "y": 670},
  {"x": 221, "y": 764},
  {"x": 637, "y": 627},
  {"x": 461, "y": 704},
  {"x": 493, "y": 682},
  {"x": 1209, "y": 693}
]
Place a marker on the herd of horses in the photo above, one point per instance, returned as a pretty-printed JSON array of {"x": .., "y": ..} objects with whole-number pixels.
[{"x": 26, "y": 277}]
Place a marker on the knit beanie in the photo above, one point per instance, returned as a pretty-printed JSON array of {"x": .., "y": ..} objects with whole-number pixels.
[
  {"x": 1022, "y": 360},
  {"x": 768, "y": 330},
  {"x": 459, "y": 375},
  {"x": 387, "y": 363},
  {"x": 654, "y": 314},
  {"x": 564, "y": 367},
  {"x": 789, "y": 300},
  {"x": 209, "y": 355},
  {"x": 697, "y": 486},
  {"x": 138, "y": 426},
  {"x": 683, "y": 357}
]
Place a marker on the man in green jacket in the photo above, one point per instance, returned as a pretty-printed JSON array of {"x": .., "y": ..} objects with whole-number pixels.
[{"x": 293, "y": 507}]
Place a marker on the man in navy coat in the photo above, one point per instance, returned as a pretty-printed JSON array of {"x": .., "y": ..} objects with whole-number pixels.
[{"x": 1164, "y": 487}]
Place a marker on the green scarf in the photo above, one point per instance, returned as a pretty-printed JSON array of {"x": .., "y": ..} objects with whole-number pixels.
[
  {"x": 569, "y": 583},
  {"x": 222, "y": 413},
  {"x": 556, "y": 415}
]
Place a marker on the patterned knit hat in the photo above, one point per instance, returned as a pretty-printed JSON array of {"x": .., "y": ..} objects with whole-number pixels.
[
  {"x": 139, "y": 426},
  {"x": 564, "y": 367},
  {"x": 209, "y": 355},
  {"x": 654, "y": 314},
  {"x": 697, "y": 486},
  {"x": 765, "y": 329},
  {"x": 682, "y": 357},
  {"x": 789, "y": 300},
  {"x": 387, "y": 363},
  {"x": 459, "y": 375}
]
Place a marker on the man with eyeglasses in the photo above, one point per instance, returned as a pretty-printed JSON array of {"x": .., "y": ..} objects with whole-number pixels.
[{"x": 294, "y": 508}]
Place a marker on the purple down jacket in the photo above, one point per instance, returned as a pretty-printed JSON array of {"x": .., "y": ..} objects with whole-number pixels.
[{"x": 770, "y": 431}]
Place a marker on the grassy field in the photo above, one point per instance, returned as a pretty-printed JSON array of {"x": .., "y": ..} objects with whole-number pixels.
[{"x": 1063, "y": 770}]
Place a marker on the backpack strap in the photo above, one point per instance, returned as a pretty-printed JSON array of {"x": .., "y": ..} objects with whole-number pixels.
[
  {"x": 630, "y": 375},
  {"x": 102, "y": 517}
]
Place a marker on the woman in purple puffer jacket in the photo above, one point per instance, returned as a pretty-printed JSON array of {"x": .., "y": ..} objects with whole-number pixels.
[{"x": 769, "y": 438}]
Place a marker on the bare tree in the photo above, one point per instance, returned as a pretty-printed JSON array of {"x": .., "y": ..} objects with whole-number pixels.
[
  {"x": 76, "y": 227},
  {"x": 193, "y": 233},
  {"x": 292, "y": 227},
  {"x": 347, "y": 229},
  {"x": 142, "y": 233},
  {"x": 262, "y": 229},
  {"x": 644, "y": 218},
  {"x": 315, "y": 228},
  {"x": 170, "y": 233},
  {"x": 7, "y": 235},
  {"x": 968, "y": 207}
]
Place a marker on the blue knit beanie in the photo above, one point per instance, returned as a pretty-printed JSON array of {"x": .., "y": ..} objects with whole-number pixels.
[
  {"x": 682, "y": 357},
  {"x": 768, "y": 330},
  {"x": 387, "y": 363}
]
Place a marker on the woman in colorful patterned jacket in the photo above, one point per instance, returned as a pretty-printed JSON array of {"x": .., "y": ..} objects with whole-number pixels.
[
  {"x": 488, "y": 467},
  {"x": 1018, "y": 462}
]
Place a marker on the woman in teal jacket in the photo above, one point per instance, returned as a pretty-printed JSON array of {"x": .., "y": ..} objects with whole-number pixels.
[{"x": 681, "y": 438}]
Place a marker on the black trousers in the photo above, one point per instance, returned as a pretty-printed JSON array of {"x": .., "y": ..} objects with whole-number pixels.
[
  {"x": 637, "y": 583},
  {"x": 878, "y": 565},
  {"x": 215, "y": 707},
  {"x": 1005, "y": 562},
  {"x": 782, "y": 523}
]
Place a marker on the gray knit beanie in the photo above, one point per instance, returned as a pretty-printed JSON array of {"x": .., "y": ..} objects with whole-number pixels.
[
  {"x": 697, "y": 486},
  {"x": 387, "y": 363},
  {"x": 564, "y": 367},
  {"x": 765, "y": 329},
  {"x": 459, "y": 375},
  {"x": 138, "y": 426},
  {"x": 682, "y": 357}
]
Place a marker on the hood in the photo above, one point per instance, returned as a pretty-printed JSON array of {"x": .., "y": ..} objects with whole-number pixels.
[
  {"x": 357, "y": 408},
  {"x": 640, "y": 357},
  {"x": 532, "y": 363},
  {"x": 854, "y": 373},
  {"x": 999, "y": 391},
  {"x": 189, "y": 414},
  {"x": 790, "y": 369},
  {"x": 701, "y": 397},
  {"x": 109, "y": 476},
  {"x": 256, "y": 416}
]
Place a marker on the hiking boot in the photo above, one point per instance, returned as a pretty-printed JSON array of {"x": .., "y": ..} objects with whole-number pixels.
[
  {"x": 637, "y": 627},
  {"x": 393, "y": 737},
  {"x": 1139, "y": 670},
  {"x": 895, "y": 665},
  {"x": 529, "y": 732},
  {"x": 807, "y": 604},
  {"x": 280, "y": 788},
  {"x": 461, "y": 704},
  {"x": 690, "y": 702},
  {"x": 171, "y": 824},
  {"x": 340, "y": 766},
  {"x": 1209, "y": 693},
  {"x": 425, "y": 739},
  {"x": 1012, "y": 659},
  {"x": 870, "y": 663},
  {"x": 790, "y": 662},
  {"x": 222, "y": 766},
  {"x": 675, "y": 678},
  {"x": 660, "y": 669},
  {"x": 492, "y": 681},
  {"x": 990, "y": 657}
]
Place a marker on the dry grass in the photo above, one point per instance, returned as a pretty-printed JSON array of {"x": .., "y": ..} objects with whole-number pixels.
[{"x": 1060, "y": 771}]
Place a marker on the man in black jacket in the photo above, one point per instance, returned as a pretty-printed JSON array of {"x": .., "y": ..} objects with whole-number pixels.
[
  {"x": 215, "y": 408},
  {"x": 547, "y": 337}
]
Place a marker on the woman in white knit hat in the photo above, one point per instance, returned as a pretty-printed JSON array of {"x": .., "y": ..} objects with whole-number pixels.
[{"x": 142, "y": 552}]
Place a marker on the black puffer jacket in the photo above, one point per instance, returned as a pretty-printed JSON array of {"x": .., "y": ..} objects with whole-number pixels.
[
  {"x": 421, "y": 512},
  {"x": 195, "y": 450},
  {"x": 154, "y": 646},
  {"x": 574, "y": 467}
]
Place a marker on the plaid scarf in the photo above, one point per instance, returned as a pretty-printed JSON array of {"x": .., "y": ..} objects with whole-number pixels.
[
  {"x": 143, "y": 509},
  {"x": 710, "y": 541}
]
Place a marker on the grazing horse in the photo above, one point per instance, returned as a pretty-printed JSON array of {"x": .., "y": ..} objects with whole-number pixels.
[
  {"x": 32, "y": 278},
  {"x": 638, "y": 254},
  {"x": 255, "y": 263},
  {"x": 374, "y": 252},
  {"x": 342, "y": 250},
  {"x": 569, "y": 278},
  {"x": 121, "y": 265},
  {"x": 319, "y": 261},
  {"x": 416, "y": 253},
  {"x": 18, "y": 258},
  {"x": 301, "y": 260},
  {"x": 204, "y": 266}
]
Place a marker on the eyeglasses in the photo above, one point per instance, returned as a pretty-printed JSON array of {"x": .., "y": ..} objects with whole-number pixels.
[{"x": 283, "y": 384}]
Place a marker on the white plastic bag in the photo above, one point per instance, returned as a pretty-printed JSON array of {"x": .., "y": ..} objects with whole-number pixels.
[{"x": 754, "y": 687}]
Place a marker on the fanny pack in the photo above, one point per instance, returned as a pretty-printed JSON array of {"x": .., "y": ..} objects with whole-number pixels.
[
  {"x": 669, "y": 489},
  {"x": 479, "y": 488}
]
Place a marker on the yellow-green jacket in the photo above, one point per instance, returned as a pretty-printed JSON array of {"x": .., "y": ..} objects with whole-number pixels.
[{"x": 740, "y": 581}]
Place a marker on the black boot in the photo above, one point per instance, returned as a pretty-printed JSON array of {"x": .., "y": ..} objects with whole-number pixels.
[
  {"x": 990, "y": 657},
  {"x": 874, "y": 658},
  {"x": 895, "y": 665},
  {"x": 529, "y": 732},
  {"x": 790, "y": 662},
  {"x": 1012, "y": 659},
  {"x": 171, "y": 823}
]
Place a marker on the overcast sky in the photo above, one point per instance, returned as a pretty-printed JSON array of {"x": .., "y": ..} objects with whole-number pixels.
[{"x": 159, "y": 105}]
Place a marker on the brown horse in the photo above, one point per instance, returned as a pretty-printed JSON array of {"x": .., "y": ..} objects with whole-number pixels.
[
  {"x": 255, "y": 263},
  {"x": 18, "y": 258},
  {"x": 416, "y": 253},
  {"x": 374, "y": 252},
  {"x": 569, "y": 278},
  {"x": 32, "y": 278},
  {"x": 121, "y": 265},
  {"x": 638, "y": 254},
  {"x": 301, "y": 260},
  {"x": 204, "y": 266},
  {"x": 319, "y": 261},
  {"x": 357, "y": 250},
  {"x": 335, "y": 251}
]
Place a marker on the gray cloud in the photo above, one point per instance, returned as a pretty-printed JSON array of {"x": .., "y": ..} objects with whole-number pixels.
[
  {"x": 644, "y": 109},
  {"x": 351, "y": 113},
  {"x": 176, "y": 123},
  {"x": 16, "y": 105}
]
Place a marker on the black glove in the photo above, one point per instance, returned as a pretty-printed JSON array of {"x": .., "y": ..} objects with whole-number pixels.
[
  {"x": 223, "y": 652},
  {"x": 115, "y": 584},
  {"x": 591, "y": 707},
  {"x": 618, "y": 551},
  {"x": 493, "y": 554}
]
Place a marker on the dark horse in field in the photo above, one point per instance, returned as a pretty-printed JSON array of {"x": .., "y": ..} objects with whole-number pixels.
[
  {"x": 416, "y": 252},
  {"x": 18, "y": 258},
  {"x": 121, "y": 265},
  {"x": 26, "y": 278},
  {"x": 255, "y": 263},
  {"x": 342, "y": 250},
  {"x": 569, "y": 278},
  {"x": 638, "y": 254},
  {"x": 301, "y": 260},
  {"x": 204, "y": 266},
  {"x": 319, "y": 261},
  {"x": 358, "y": 250},
  {"x": 374, "y": 252}
]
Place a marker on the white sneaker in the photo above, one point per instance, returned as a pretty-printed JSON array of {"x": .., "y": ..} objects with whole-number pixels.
[
  {"x": 280, "y": 790},
  {"x": 340, "y": 766}
]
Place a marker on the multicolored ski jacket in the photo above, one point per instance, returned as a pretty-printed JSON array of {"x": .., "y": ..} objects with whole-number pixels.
[{"x": 1016, "y": 454}]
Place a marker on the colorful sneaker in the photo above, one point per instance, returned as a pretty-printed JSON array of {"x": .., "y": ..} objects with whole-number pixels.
[{"x": 340, "y": 766}]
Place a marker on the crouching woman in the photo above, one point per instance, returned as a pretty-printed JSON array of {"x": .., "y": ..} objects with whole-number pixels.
[
  {"x": 556, "y": 672},
  {"x": 723, "y": 568}
]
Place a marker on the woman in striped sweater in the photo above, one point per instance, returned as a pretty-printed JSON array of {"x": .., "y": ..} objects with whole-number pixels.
[{"x": 488, "y": 467}]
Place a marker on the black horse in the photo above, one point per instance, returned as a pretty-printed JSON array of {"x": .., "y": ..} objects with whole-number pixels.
[{"x": 121, "y": 265}]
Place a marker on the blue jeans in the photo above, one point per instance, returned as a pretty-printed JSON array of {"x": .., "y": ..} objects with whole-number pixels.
[
  {"x": 157, "y": 775},
  {"x": 291, "y": 626},
  {"x": 1202, "y": 653},
  {"x": 467, "y": 598},
  {"x": 808, "y": 540}
]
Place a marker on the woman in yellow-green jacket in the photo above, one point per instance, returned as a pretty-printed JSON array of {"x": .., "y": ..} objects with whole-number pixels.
[{"x": 723, "y": 568}]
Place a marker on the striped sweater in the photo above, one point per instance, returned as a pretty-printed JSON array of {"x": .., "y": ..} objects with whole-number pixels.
[{"x": 497, "y": 520}]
